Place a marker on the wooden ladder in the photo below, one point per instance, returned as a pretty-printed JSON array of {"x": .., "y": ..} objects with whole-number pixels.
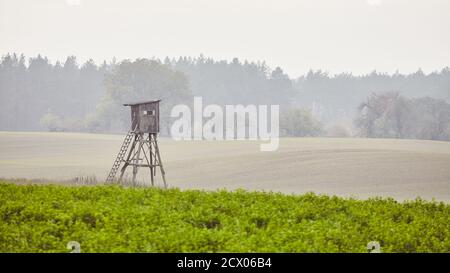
[{"x": 123, "y": 150}]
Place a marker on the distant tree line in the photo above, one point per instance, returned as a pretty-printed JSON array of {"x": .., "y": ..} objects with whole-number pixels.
[
  {"x": 36, "y": 94},
  {"x": 28, "y": 91}
]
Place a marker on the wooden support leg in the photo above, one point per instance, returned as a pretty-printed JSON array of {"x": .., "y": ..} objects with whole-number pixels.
[
  {"x": 152, "y": 173},
  {"x": 163, "y": 173},
  {"x": 137, "y": 159}
]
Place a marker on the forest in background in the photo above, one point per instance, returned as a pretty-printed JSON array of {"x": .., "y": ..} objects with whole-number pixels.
[{"x": 36, "y": 94}]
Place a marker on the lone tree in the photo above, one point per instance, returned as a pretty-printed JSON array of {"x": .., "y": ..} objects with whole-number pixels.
[
  {"x": 139, "y": 80},
  {"x": 394, "y": 116}
]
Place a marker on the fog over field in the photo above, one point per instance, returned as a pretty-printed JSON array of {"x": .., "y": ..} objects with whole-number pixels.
[
  {"x": 403, "y": 169},
  {"x": 224, "y": 129},
  {"x": 363, "y": 89}
]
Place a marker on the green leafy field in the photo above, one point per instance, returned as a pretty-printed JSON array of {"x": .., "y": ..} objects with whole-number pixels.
[{"x": 116, "y": 219}]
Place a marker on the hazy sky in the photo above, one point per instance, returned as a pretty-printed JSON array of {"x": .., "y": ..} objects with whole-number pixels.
[{"x": 334, "y": 35}]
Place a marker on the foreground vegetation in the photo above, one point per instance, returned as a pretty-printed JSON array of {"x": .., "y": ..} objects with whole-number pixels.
[{"x": 115, "y": 219}]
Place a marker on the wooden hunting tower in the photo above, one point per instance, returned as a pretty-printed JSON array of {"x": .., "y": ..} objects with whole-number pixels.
[
  {"x": 144, "y": 151},
  {"x": 145, "y": 116}
]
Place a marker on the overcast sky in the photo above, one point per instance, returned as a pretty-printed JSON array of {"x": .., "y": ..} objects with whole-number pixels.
[{"x": 333, "y": 35}]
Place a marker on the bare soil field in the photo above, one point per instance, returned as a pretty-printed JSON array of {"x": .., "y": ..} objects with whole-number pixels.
[{"x": 351, "y": 167}]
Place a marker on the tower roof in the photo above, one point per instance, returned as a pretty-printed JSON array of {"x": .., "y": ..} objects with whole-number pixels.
[{"x": 140, "y": 102}]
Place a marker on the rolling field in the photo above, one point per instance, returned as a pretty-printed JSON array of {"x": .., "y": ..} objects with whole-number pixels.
[{"x": 361, "y": 168}]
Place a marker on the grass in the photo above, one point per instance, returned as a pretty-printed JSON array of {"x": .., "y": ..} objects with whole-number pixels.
[{"x": 44, "y": 218}]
